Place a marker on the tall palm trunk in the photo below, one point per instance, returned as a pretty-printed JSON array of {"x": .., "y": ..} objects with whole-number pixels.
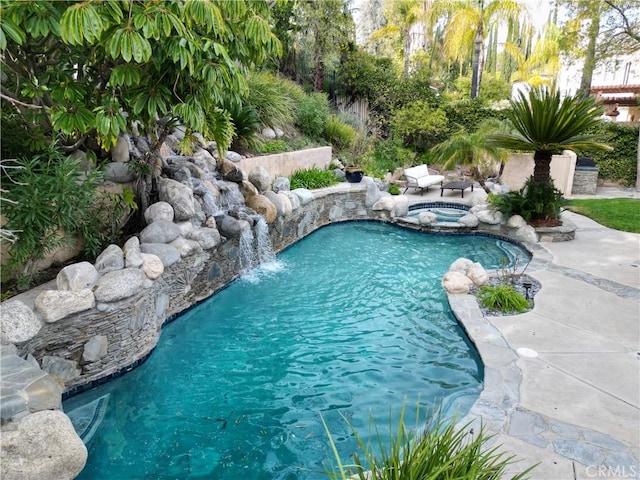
[
  {"x": 542, "y": 167},
  {"x": 478, "y": 52}
]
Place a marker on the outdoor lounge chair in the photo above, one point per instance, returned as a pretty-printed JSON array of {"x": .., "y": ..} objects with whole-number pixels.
[{"x": 419, "y": 177}]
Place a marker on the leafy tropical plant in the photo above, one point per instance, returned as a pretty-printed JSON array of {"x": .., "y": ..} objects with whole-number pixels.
[
  {"x": 313, "y": 178},
  {"x": 435, "y": 450},
  {"x": 471, "y": 149},
  {"x": 535, "y": 202},
  {"x": 502, "y": 297},
  {"x": 47, "y": 202}
]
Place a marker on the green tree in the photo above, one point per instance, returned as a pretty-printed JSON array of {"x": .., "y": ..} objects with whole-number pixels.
[
  {"x": 547, "y": 124},
  {"x": 472, "y": 149},
  {"x": 81, "y": 72},
  {"x": 470, "y": 23}
]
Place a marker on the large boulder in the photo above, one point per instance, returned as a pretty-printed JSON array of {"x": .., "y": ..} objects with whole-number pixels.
[
  {"x": 400, "y": 206},
  {"x": 152, "y": 266},
  {"x": 159, "y": 211},
  {"x": 120, "y": 151},
  {"x": 305, "y": 195},
  {"x": 260, "y": 177},
  {"x": 281, "y": 202},
  {"x": 469, "y": 220},
  {"x": 490, "y": 216},
  {"x": 18, "y": 323},
  {"x": 373, "y": 193},
  {"x": 263, "y": 206},
  {"x": 54, "y": 305},
  {"x": 160, "y": 231},
  {"x": 526, "y": 233},
  {"x": 281, "y": 184},
  {"x": 132, "y": 253},
  {"x": 77, "y": 276},
  {"x": 228, "y": 226},
  {"x": 456, "y": 282},
  {"x": 516, "y": 221},
  {"x": 233, "y": 156},
  {"x": 179, "y": 196},
  {"x": 207, "y": 237},
  {"x": 43, "y": 446},
  {"x": 112, "y": 258},
  {"x": 230, "y": 171},
  {"x": 293, "y": 198},
  {"x": 114, "y": 286},
  {"x": 166, "y": 253},
  {"x": 268, "y": 133},
  {"x": 461, "y": 265},
  {"x": 477, "y": 274},
  {"x": 117, "y": 172},
  {"x": 185, "y": 246},
  {"x": 427, "y": 218},
  {"x": 247, "y": 189}
]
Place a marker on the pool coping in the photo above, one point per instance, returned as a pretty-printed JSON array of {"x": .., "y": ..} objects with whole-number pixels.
[{"x": 586, "y": 453}]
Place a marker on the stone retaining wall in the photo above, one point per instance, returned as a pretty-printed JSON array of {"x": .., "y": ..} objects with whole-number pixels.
[
  {"x": 132, "y": 327},
  {"x": 585, "y": 181}
]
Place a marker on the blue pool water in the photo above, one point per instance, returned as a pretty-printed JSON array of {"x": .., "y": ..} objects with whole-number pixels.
[{"x": 351, "y": 321}]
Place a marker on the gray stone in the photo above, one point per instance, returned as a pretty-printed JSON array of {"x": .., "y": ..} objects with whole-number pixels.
[
  {"x": 12, "y": 405},
  {"x": 152, "y": 266},
  {"x": 18, "y": 323},
  {"x": 304, "y": 195},
  {"x": 400, "y": 206},
  {"x": 117, "y": 172},
  {"x": 120, "y": 151},
  {"x": 185, "y": 246},
  {"x": 207, "y": 237},
  {"x": 233, "y": 156},
  {"x": 279, "y": 132},
  {"x": 281, "y": 184},
  {"x": 489, "y": 216},
  {"x": 280, "y": 201},
  {"x": 95, "y": 348},
  {"x": 179, "y": 196},
  {"x": 42, "y": 446},
  {"x": 603, "y": 440},
  {"x": 456, "y": 282},
  {"x": 65, "y": 370},
  {"x": 132, "y": 253},
  {"x": 185, "y": 228},
  {"x": 228, "y": 226},
  {"x": 526, "y": 233},
  {"x": 114, "y": 286},
  {"x": 516, "y": 221},
  {"x": 159, "y": 211},
  {"x": 526, "y": 424},
  {"x": 45, "y": 393},
  {"x": 268, "y": 133},
  {"x": 230, "y": 171},
  {"x": 623, "y": 465},
  {"x": 112, "y": 258},
  {"x": 77, "y": 276},
  {"x": 469, "y": 221},
  {"x": 55, "y": 305},
  {"x": 565, "y": 430},
  {"x": 578, "y": 451},
  {"x": 260, "y": 177},
  {"x": 160, "y": 231},
  {"x": 373, "y": 193},
  {"x": 385, "y": 203},
  {"x": 215, "y": 271},
  {"x": 203, "y": 159},
  {"x": 293, "y": 198},
  {"x": 427, "y": 218},
  {"x": 248, "y": 189},
  {"x": 168, "y": 254}
]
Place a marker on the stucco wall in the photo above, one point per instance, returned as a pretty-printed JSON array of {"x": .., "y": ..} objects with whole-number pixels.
[
  {"x": 284, "y": 164},
  {"x": 519, "y": 168}
]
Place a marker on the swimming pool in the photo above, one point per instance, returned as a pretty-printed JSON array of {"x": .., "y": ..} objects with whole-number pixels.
[{"x": 350, "y": 321}]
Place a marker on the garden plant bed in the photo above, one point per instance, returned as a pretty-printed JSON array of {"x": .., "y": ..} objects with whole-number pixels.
[{"x": 518, "y": 283}]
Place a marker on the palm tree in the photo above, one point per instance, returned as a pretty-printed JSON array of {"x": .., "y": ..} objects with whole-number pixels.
[
  {"x": 546, "y": 124},
  {"x": 470, "y": 24},
  {"x": 472, "y": 149}
]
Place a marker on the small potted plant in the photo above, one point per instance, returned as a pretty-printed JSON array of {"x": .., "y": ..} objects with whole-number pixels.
[{"x": 353, "y": 171}]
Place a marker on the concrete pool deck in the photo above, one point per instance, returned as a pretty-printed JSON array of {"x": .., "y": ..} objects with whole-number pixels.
[{"x": 562, "y": 381}]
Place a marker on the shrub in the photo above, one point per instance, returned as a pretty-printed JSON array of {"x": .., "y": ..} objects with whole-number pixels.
[
  {"x": 502, "y": 297},
  {"x": 387, "y": 156},
  {"x": 312, "y": 178},
  {"x": 534, "y": 201},
  {"x": 274, "y": 99},
  {"x": 439, "y": 451},
  {"x": 46, "y": 202},
  {"x": 312, "y": 114},
  {"x": 619, "y": 164},
  {"x": 273, "y": 146},
  {"x": 421, "y": 126},
  {"x": 394, "y": 189},
  {"x": 246, "y": 126},
  {"x": 339, "y": 134}
]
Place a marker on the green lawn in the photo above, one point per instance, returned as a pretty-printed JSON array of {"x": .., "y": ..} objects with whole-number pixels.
[{"x": 618, "y": 213}]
